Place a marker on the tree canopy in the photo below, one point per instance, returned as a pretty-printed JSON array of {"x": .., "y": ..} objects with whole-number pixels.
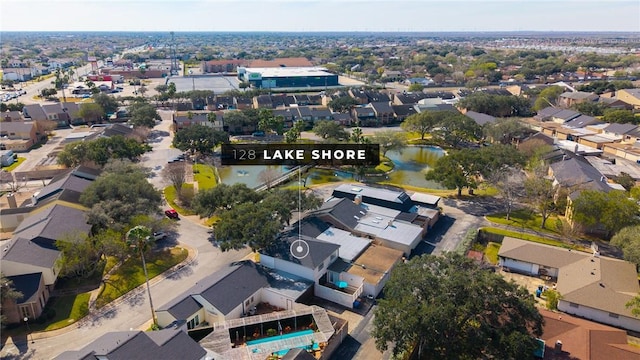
[
  {"x": 199, "y": 138},
  {"x": 118, "y": 194},
  {"x": 628, "y": 241},
  {"x": 342, "y": 104},
  {"x": 143, "y": 114},
  {"x": 449, "y": 308},
  {"x": 620, "y": 117},
  {"x": 328, "y": 129},
  {"x": 496, "y": 105},
  {"x": 108, "y": 103},
  {"x": 456, "y": 129},
  {"x": 8, "y": 292},
  {"x": 389, "y": 140},
  {"x": 421, "y": 123},
  {"x": 457, "y": 170},
  {"x": 612, "y": 210},
  {"x": 101, "y": 150}
]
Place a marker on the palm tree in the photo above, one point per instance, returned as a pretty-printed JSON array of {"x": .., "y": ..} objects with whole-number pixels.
[{"x": 140, "y": 238}]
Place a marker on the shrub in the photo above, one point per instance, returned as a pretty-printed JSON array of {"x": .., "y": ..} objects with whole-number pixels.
[{"x": 272, "y": 332}]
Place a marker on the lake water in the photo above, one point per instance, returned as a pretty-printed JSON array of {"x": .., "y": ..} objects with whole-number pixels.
[{"x": 410, "y": 167}]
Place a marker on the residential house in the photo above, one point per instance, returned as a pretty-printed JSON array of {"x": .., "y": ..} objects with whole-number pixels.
[
  {"x": 615, "y": 103},
  {"x": 392, "y": 199},
  {"x": 242, "y": 103},
  {"x": 383, "y": 112},
  {"x": 576, "y": 174},
  {"x": 17, "y": 74},
  {"x": 392, "y": 75},
  {"x": 408, "y": 98},
  {"x": 18, "y": 136},
  {"x": 239, "y": 338},
  {"x": 232, "y": 293},
  {"x": 32, "y": 301},
  {"x": 612, "y": 168},
  {"x": 34, "y": 112},
  {"x": 359, "y": 95},
  {"x": 11, "y": 116},
  {"x": 479, "y": 118},
  {"x": 564, "y": 116},
  {"x": 7, "y": 157},
  {"x": 582, "y": 121},
  {"x": 624, "y": 151},
  {"x": 32, "y": 248},
  {"x": 364, "y": 116},
  {"x": 625, "y": 132},
  {"x": 342, "y": 119},
  {"x": 166, "y": 344},
  {"x": 403, "y": 111},
  {"x": 591, "y": 286},
  {"x": 630, "y": 96},
  {"x": 262, "y": 101},
  {"x": 182, "y": 120},
  {"x": 569, "y": 99},
  {"x": 422, "y": 81},
  {"x": 584, "y": 339},
  {"x": 546, "y": 113}
]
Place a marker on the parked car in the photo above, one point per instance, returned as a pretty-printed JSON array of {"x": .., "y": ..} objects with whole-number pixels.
[
  {"x": 172, "y": 214},
  {"x": 159, "y": 235}
]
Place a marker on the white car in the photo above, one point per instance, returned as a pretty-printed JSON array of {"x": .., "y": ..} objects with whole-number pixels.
[{"x": 159, "y": 235}]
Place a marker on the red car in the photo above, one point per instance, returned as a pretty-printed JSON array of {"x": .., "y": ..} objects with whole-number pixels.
[{"x": 172, "y": 214}]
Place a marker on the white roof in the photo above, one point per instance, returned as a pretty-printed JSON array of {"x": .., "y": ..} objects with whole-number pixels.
[
  {"x": 381, "y": 210},
  {"x": 289, "y": 71},
  {"x": 390, "y": 230},
  {"x": 583, "y": 149},
  {"x": 350, "y": 246},
  {"x": 425, "y": 198}
]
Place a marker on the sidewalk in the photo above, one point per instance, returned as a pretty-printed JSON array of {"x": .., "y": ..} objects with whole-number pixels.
[{"x": 97, "y": 313}]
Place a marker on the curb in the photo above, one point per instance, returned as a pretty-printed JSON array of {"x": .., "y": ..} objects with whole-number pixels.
[{"x": 192, "y": 255}]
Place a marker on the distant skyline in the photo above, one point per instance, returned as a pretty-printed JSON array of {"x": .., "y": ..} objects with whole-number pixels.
[{"x": 315, "y": 16}]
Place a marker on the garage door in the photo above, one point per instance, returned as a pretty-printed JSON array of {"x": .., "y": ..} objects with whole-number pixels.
[{"x": 519, "y": 266}]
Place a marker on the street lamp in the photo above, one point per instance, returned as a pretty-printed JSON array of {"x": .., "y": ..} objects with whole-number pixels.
[
  {"x": 26, "y": 321},
  {"x": 137, "y": 238}
]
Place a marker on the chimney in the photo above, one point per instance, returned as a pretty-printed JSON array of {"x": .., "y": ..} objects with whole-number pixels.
[
  {"x": 558, "y": 348},
  {"x": 358, "y": 199},
  {"x": 11, "y": 198}
]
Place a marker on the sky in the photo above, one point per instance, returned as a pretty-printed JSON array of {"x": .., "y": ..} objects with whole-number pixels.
[{"x": 314, "y": 16}]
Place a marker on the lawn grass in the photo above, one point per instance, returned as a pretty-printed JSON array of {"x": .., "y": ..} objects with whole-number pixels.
[
  {"x": 526, "y": 219},
  {"x": 68, "y": 310},
  {"x": 12, "y": 167},
  {"x": 491, "y": 252},
  {"x": 212, "y": 220},
  {"x": 205, "y": 176},
  {"x": 131, "y": 275},
  {"x": 532, "y": 238},
  {"x": 170, "y": 195}
]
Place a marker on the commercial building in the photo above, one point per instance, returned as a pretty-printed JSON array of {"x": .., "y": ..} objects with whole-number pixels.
[{"x": 287, "y": 77}]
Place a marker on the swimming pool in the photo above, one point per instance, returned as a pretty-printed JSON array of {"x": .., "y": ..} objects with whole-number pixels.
[
  {"x": 280, "y": 337},
  {"x": 277, "y": 345}
]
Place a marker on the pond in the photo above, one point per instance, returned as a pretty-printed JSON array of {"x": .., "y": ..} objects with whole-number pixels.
[{"x": 411, "y": 164}]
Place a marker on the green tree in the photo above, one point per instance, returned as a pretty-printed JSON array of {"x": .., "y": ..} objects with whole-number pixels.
[
  {"x": 80, "y": 255},
  {"x": 108, "y": 103},
  {"x": 590, "y": 108},
  {"x": 8, "y": 292},
  {"x": 247, "y": 224},
  {"x": 140, "y": 238},
  {"x": 433, "y": 303},
  {"x": 415, "y": 87},
  {"x": 143, "y": 114},
  {"x": 540, "y": 192},
  {"x": 496, "y": 105},
  {"x": 91, "y": 112},
  {"x": 328, "y": 129},
  {"x": 389, "y": 140},
  {"x": 342, "y": 104},
  {"x": 421, "y": 123},
  {"x": 101, "y": 150},
  {"x": 457, "y": 170},
  {"x": 626, "y": 180},
  {"x": 74, "y": 154},
  {"x": 497, "y": 157},
  {"x": 171, "y": 90},
  {"x": 199, "y": 139},
  {"x": 628, "y": 241},
  {"x": 548, "y": 97},
  {"x": 620, "y": 117},
  {"x": 118, "y": 194},
  {"x": 208, "y": 202},
  {"x": 612, "y": 210},
  {"x": 293, "y": 134},
  {"x": 504, "y": 130},
  {"x": 456, "y": 129},
  {"x": 267, "y": 122}
]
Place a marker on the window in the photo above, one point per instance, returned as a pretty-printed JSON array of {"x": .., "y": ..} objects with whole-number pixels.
[
  {"x": 612, "y": 315},
  {"x": 246, "y": 303},
  {"x": 333, "y": 257},
  {"x": 574, "y": 305}
]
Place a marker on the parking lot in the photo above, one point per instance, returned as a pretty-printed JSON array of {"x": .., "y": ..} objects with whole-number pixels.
[{"x": 217, "y": 84}]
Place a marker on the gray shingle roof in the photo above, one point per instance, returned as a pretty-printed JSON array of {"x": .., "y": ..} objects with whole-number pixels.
[
  {"x": 566, "y": 115},
  {"x": 576, "y": 172},
  {"x": 225, "y": 289},
  {"x": 582, "y": 121},
  {"x": 620, "y": 129},
  {"x": 382, "y": 107},
  {"x": 319, "y": 251},
  {"x": 547, "y": 112},
  {"x": 167, "y": 344},
  {"x": 35, "y": 112},
  {"x": 343, "y": 210},
  {"x": 27, "y": 285},
  {"x": 480, "y": 118},
  {"x": 33, "y": 252},
  {"x": 53, "y": 223}
]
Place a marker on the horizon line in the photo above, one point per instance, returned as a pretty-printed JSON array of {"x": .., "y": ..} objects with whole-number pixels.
[{"x": 328, "y": 31}]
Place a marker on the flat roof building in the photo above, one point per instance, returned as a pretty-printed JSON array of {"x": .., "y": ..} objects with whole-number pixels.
[{"x": 287, "y": 77}]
